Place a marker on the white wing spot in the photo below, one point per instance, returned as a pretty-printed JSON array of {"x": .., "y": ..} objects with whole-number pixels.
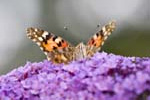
[
  {"x": 41, "y": 48},
  {"x": 109, "y": 33},
  {"x": 105, "y": 37},
  {"x": 35, "y": 35},
  {"x": 35, "y": 29},
  {"x": 105, "y": 33},
  {"x": 45, "y": 34},
  {"x": 58, "y": 40},
  {"x": 104, "y": 29},
  {"x": 102, "y": 43},
  {"x": 40, "y": 38},
  {"x": 38, "y": 43},
  {"x": 45, "y": 53},
  {"x": 48, "y": 59},
  {"x": 95, "y": 36},
  {"x": 34, "y": 40}
]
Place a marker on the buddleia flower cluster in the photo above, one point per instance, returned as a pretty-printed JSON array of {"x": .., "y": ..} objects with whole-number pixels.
[{"x": 101, "y": 77}]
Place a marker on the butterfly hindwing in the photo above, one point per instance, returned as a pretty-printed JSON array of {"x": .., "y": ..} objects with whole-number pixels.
[{"x": 64, "y": 55}]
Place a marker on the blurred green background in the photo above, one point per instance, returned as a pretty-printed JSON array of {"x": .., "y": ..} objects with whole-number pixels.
[{"x": 81, "y": 17}]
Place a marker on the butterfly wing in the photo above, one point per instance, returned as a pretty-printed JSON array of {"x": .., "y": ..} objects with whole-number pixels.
[
  {"x": 53, "y": 46},
  {"x": 95, "y": 43}
]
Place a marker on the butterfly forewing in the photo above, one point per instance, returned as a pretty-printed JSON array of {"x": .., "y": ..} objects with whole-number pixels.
[
  {"x": 53, "y": 46},
  {"x": 98, "y": 38}
]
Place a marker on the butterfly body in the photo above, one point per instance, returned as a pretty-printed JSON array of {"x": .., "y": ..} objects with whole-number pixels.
[{"x": 60, "y": 51}]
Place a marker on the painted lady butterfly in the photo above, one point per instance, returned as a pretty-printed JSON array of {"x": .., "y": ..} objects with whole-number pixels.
[{"x": 60, "y": 51}]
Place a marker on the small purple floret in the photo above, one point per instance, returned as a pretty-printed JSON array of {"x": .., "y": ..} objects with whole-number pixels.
[{"x": 102, "y": 77}]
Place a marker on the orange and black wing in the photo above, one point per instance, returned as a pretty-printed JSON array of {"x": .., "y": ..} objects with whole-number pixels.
[
  {"x": 51, "y": 44},
  {"x": 98, "y": 38}
]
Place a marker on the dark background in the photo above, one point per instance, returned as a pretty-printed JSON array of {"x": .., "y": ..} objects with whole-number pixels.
[{"x": 81, "y": 17}]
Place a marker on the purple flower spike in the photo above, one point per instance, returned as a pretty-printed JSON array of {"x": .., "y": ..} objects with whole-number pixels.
[{"x": 102, "y": 77}]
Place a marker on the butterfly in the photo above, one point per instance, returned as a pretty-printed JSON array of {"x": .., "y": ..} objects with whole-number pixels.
[{"x": 59, "y": 50}]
